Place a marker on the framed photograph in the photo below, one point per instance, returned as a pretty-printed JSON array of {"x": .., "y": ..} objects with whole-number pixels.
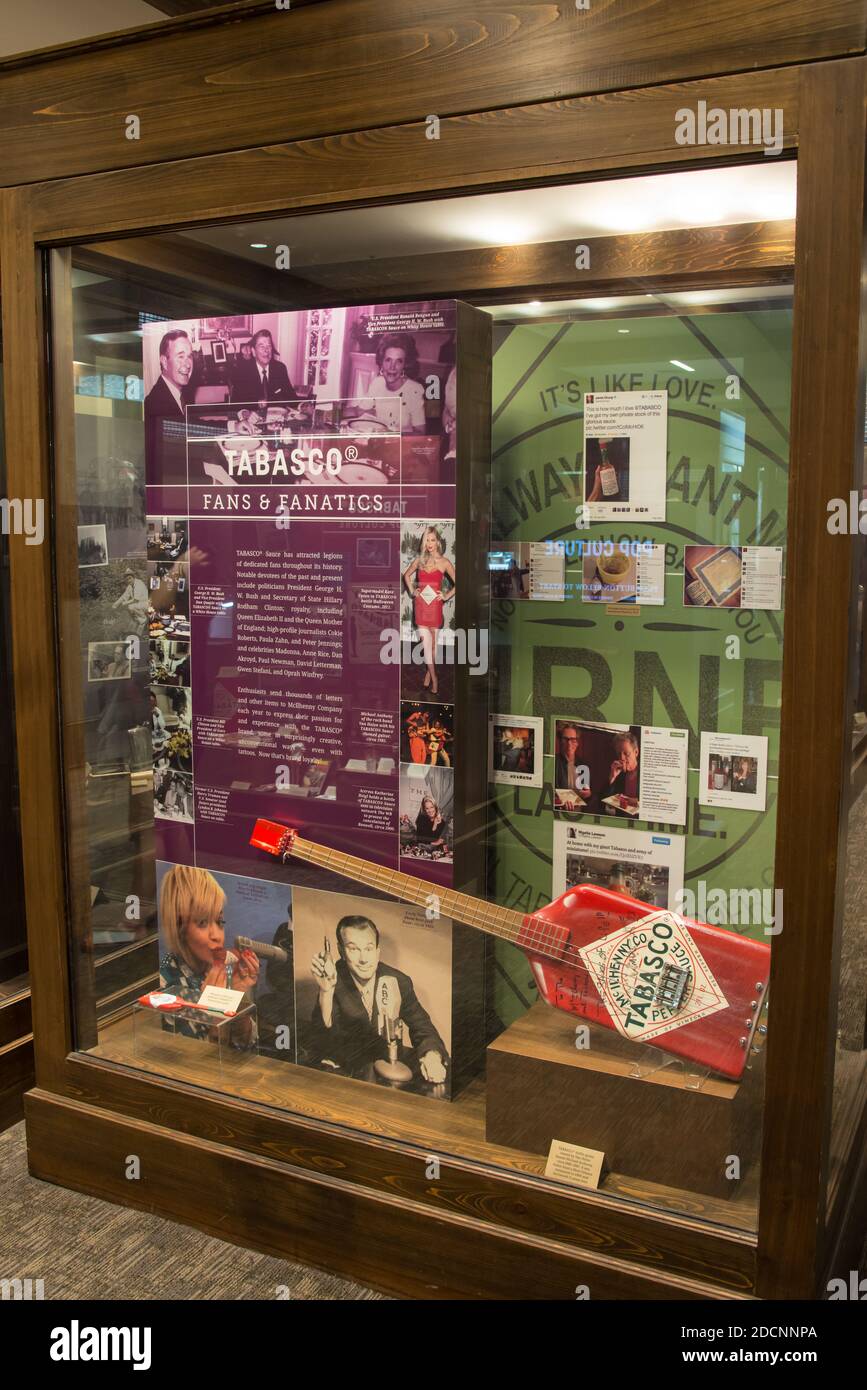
[
  {"x": 629, "y": 771},
  {"x": 233, "y": 324},
  {"x": 108, "y": 661},
  {"x": 373, "y": 552},
  {"x": 515, "y": 750},
  {"x": 405, "y": 961},
  {"x": 426, "y": 812},
  {"x": 92, "y": 546},
  {"x": 712, "y": 576}
]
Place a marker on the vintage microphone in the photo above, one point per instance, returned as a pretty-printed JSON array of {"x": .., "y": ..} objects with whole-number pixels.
[{"x": 262, "y": 949}]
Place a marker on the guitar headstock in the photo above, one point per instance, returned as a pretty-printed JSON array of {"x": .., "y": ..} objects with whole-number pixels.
[{"x": 276, "y": 839}]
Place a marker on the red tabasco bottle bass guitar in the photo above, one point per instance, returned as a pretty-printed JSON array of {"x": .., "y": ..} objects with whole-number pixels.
[{"x": 690, "y": 989}]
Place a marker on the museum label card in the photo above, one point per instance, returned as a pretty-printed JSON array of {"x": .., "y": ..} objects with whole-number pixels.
[
  {"x": 220, "y": 1001},
  {"x": 762, "y": 576},
  {"x": 625, "y": 443},
  {"x": 547, "y": 573},
  {"x": 573, "y": 1164},
  {"x": 733, "y": 771}
]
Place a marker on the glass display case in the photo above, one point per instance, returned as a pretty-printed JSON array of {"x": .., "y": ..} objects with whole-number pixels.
[{"x": 436, "y": 663}]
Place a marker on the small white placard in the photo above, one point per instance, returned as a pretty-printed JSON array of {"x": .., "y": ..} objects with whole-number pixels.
[
  {"x": 220, "y": 1001},
  {"x": 625, "y": 442},
  {"x": 570, "y": 1163},
  {"x": 733, "y": 771},
  {"x": 762, "y": 576}
]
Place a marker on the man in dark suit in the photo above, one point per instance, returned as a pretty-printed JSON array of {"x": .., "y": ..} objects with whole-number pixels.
[
  {"x": 363, "y": 1002},
  {"x": 275, "y": 1003},
  {"x": 165, "y": 438},
  {"x": 264, "y": 377}
]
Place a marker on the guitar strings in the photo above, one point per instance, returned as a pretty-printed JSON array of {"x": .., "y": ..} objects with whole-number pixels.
[{"x": 535, "y": 935}]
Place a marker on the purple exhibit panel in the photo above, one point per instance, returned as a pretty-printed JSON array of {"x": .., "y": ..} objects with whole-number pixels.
[{"x": 301, "y": 543}]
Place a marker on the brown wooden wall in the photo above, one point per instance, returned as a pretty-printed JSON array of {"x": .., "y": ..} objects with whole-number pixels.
[{"x": 252, "y": 75}]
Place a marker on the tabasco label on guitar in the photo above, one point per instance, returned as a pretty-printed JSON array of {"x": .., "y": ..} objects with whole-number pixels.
[{"x": 652, "y": 977}]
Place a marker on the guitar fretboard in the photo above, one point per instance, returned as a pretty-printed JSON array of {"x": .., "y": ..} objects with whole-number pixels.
[{"x": 461, "y": 907}]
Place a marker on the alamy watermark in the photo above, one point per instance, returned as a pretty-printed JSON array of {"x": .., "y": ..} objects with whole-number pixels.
[
  {"x": 461, "y": 647},
  {"x": 23, "y": 518},
  {"x": 21, "y": 1290},
  {"x": 847, "y": 516},
  {"x": 732, "y": 907},
  {"x": 737, "y": 126}
]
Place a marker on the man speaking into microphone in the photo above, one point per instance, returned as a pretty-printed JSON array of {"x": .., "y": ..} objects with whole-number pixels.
[{"x": 364, "y": 1004}]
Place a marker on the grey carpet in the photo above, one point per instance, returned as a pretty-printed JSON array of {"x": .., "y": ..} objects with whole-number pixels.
[{"x": 83, "y": 1248}]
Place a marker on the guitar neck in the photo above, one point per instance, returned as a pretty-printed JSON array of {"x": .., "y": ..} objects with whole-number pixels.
[{"x": 461, "y": 907}]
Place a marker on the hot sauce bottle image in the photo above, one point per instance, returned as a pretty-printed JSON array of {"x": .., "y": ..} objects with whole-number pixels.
[{"x": 607, "y": 472}]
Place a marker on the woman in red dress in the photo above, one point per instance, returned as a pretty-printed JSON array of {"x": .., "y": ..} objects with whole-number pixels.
[{"x": 423, "y": 578}]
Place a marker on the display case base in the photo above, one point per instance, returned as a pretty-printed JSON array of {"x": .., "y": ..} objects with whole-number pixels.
[
  {"x": 658, "y": 1127},
  {"x": 272, "y": 1204}
]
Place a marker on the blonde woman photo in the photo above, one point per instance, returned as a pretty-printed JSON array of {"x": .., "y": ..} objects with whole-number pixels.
[
  {"x": 424, "y": 578},
  {"x": 193, "y": 929}
]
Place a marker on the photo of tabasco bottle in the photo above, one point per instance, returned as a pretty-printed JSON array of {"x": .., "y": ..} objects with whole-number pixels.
[{"x": 607, "y": 472}]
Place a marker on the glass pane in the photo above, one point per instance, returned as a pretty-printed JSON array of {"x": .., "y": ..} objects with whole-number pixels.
[
  {"x": 13, "y": 929},
  {"x": 616, "y": 751},
  {"x": 850, "y": 1064}
]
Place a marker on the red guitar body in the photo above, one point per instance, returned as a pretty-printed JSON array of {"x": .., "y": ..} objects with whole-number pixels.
[{"x": 580, "y": 916}]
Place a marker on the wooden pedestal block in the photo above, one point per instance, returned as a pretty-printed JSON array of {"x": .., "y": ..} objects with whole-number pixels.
[{"x": 541, "y": 1087}]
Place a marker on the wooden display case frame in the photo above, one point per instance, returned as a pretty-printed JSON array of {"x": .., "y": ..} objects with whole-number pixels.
[{"x": 517, "y": 88}]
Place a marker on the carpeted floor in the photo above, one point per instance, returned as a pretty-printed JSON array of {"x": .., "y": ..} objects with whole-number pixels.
[{"x": 83, "y": 1248}]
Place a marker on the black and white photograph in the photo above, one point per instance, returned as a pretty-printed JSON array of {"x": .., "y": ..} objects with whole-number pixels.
[
  {"x": 171, "y": 727},
  {"x": 173, "y": 795},
  {"x": 108, "y": 661},
  {"x": 115, "y": 706},
  {"x": 168, "y": 661},
  {"x": 345, "y": 370},
  {"x": 168, "y": 595},
  {"x": 373, "y": 991},
  {"x": 426, "y": 812},
  {"x": 92, "y": 546},
  {"x": 167, "y": 537}
]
